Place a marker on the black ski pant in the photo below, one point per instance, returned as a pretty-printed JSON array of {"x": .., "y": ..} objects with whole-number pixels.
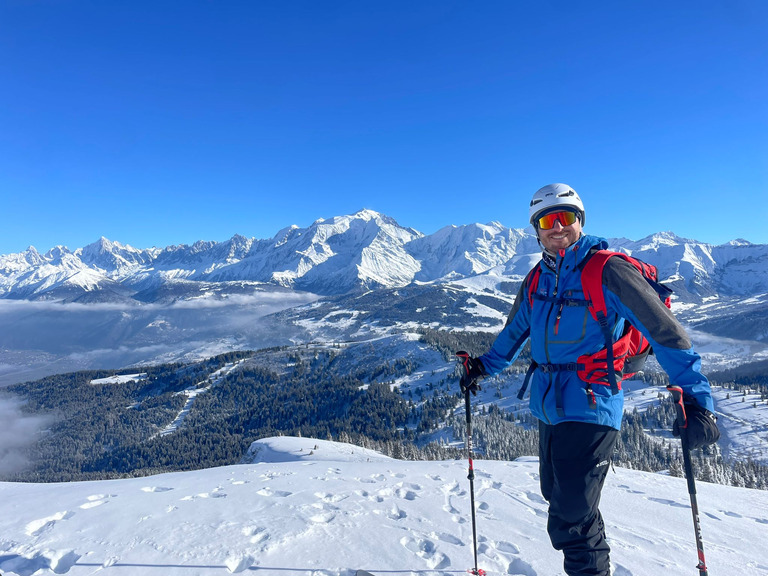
[{"x": 574, "y": 458}]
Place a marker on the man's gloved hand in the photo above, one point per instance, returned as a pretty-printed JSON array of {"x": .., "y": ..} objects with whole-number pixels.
[
  {"x": 701, "y": 428},
  {"x": 472, "y": 371}
]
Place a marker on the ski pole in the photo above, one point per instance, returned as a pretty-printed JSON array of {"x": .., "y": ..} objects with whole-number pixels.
[
  {"x": 471, "y": 476},
  {"x": 682, "y": 423}
]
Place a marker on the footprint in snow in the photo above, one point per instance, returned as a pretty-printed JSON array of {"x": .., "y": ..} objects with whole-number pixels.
[
  {"x": 448, "y": 539},
  {"x": 521, "y": 568},
  {"x": 535, "y": 497},
  {"x": 507, "y": 547},
  {"x": 396, "y": 513},
  {"x": 332, "y": 498},
  {"x": 668, "y": 502},
  {"x": 256, "y": 534},
  {"x": 630, "y": 490},
  {"x": 533, "y": 476},
  {"x": 38, "y": 527},
  {"x": 405, "y": 494},
  {"x": 427, "y": 550},
  {"x": 323, "y": 517},
  {"x": 368, "y": 496},
  {"x": 96, "y": 500},
  {"x": 277, "y": 493},
  {"x": 156, "y": 489},
  {"x": 205, "y": 495}
]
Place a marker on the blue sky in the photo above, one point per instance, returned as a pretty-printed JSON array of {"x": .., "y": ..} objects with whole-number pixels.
[{"x": 156, "y": 123}]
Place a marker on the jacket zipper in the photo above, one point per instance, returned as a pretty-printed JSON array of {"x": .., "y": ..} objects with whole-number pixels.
[{"x": 561, "y": 253}]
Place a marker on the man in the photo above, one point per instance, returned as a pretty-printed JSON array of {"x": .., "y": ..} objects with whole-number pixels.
[{"x": 578, "y": 422}]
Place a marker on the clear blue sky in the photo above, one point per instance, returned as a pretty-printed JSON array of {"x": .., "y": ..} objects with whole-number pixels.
[{"x": 156, "y": 122}]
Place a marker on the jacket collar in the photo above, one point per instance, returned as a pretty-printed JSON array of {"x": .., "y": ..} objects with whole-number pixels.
[{"x": 575, "y": 253}]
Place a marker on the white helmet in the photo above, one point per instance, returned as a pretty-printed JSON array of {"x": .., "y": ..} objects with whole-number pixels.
[{"x": 555, "y": 196}]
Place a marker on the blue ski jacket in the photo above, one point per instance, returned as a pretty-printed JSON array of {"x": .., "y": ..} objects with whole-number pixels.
[{"x": 560, "y": 332}]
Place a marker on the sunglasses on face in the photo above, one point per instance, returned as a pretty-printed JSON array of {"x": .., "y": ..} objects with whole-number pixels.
[{"x": 547, "y": 222}]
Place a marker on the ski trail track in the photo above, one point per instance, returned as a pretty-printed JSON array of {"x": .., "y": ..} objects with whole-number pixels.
[
  {"x": 325, "y": 518},
  {"x": 193, "y": 392}
]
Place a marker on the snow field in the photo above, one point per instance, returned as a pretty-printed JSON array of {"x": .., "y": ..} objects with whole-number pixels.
[{"x": 307, "y": 507}]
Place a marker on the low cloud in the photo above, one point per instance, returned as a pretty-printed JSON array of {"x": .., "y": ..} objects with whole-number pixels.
[
  {"x": 269, "y": 301},
  {"x": 17, "y": 433},
  {"x": 42, "y": 338}
]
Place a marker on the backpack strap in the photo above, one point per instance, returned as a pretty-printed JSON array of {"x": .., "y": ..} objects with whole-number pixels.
[
  {"x": 592, "y": 284},
  {"x": 532, "y": 282},
  {"x": 592, "y": 279}
]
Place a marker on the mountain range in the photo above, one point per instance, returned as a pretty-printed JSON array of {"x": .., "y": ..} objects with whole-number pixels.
[
  {"x": 109, "y": 305},
  {"x": 353, "y": 253}
]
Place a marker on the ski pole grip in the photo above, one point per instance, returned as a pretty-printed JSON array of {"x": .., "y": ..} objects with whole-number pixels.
[
  {"x": 464, "y": 382},
  {"x": 677, "y": 396}
]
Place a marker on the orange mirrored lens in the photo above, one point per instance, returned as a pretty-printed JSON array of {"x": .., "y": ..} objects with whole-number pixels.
[{"x": 566, "y": 218}]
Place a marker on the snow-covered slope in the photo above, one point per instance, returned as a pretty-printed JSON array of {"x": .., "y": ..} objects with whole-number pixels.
[
  {"x": 312, "y": 508},
  {"x": 461, "y": 251}
]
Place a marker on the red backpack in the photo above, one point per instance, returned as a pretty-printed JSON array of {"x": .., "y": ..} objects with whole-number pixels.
[{"x": 627, "y": 355}]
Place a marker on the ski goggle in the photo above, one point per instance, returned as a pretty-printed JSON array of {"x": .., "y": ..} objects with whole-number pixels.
[{"x": 547, "y": 222}]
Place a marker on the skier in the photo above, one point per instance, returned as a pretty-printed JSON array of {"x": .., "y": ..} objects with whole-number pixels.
[{"x": 579, "y": 423}]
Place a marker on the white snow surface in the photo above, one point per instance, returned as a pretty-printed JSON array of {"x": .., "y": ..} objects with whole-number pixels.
[
  {"x": 317, "y": 508},
  {"x": 119, "y": 379}
]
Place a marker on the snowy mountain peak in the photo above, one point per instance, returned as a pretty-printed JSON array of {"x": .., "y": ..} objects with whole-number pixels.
[
  {"x": 56, "y": 253},
  {"x": 659, "y": 239},
  {"x": 366, "y": 214},
  {"x": 110, "y": 256}
]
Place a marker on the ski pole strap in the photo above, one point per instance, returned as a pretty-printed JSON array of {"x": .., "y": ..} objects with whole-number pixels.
[{"x": 677, "y": 397}]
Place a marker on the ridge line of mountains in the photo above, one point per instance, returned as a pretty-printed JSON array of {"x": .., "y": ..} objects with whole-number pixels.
[{"x": 344, "y": 254}]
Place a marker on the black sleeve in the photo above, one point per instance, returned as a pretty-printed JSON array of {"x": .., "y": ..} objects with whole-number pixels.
[
  {"x": 521, "y": 294},
  {"x": 628, "y": 284}
]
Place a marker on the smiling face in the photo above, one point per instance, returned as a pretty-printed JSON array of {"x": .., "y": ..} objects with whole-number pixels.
[{"x": 559, "y": 237}]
